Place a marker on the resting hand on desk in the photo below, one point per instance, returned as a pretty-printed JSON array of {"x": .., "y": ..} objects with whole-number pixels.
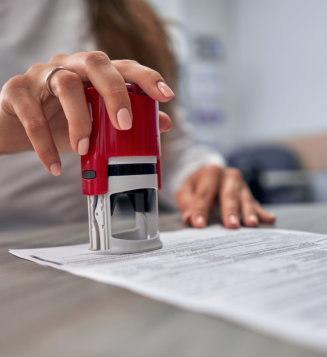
[
  {"x": 32, "y": 118},
  {"x": 213, "y": 185}
]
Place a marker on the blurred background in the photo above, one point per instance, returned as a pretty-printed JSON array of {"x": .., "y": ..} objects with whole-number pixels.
[{"x": 253, "y": 84}]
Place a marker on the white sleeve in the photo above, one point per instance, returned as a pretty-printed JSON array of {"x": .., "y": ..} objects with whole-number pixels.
[{"x": 181, "y": 157}]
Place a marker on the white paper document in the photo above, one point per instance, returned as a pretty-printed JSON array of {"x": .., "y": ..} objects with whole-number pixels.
[{"x": 274, "y": 281}]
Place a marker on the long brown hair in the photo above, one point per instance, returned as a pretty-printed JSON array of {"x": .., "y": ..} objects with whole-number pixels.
[{"x": 130, "y": 29}]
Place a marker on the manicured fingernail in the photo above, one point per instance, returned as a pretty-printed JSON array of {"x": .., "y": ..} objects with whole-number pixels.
[
  {"x": 233, "y": 220},
  {"x": 83, "y": 146},
  {"x": 165, "y": 90},
  {"x": 199, "y": 220},
  {"x": 55, "y": 169},
  {"x": 124, "y": 119},
  {"x": 253, "y": 219}
]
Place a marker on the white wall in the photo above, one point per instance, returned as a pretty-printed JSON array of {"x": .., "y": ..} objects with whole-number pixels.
[
  {"x": 279, "y": 67},
  {"x": 275, "y": 68}
]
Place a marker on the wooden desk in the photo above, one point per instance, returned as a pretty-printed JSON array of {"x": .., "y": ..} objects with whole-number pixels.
[{"x": 47, "y": 312}]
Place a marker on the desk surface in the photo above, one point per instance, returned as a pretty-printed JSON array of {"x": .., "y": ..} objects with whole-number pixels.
[{"x": 47, "y": 312}]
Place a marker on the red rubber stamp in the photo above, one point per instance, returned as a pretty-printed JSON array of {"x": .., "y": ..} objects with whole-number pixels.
[{"x": 121, "y": 177}]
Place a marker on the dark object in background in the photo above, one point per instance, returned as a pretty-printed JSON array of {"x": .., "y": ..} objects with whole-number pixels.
[{"x": 273, "y": 173}]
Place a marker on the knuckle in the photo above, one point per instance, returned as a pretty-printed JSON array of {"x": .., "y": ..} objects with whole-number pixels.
[
  {"x": 118, "y": 89},
  {"x": 37, "y": 68},
  {"x": 235, "y": 173},
  {"x": 214, "y": 170},
  {"x": 96, "y": 58},
  {"x": 129, "y": 62},
  {"x": 14, "y": 83},
  {"x": 45, "y": 152},
  {"x": 66, "y": 80},
  {"x": 204, "y": 193},
  {"x": 111, "y": 92},
  {"x": 126, "y": 64},
  {"x": 230, "y": 208},
  {"x": 56, "y": 58},
  {"x": 33, "y": 125},
  {"x": 247, "y": 195},
  {"x": 230, "y": 195},
  {"x": 132, "y": 65},
  {"x": 154, "y": 75}
]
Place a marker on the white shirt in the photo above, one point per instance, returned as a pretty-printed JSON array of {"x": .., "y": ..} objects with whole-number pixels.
[{"x": 33, "y": 31}]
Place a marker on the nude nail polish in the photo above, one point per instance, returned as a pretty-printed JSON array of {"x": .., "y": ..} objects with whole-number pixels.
[
  {"x": 233, "y": 220},
  {"x": 253, "y": 219},
  {"x": 124, "y": 119},
  {"x": 165, "y": 90},
  {"x": 55, "y": 169},
  {"x": 199, "y": 220},
  {"x": 83, "y": 146}
]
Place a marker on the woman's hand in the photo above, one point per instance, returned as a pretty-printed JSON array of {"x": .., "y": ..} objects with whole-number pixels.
[
  {"x": 31, "y": 118},
  {"x": 214, "y": 185}
]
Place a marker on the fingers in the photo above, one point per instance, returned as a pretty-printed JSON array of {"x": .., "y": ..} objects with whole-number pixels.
[
  {"x": 109, "y": 77},
  {"x": 252, "y": 212},
  {"x": 264, "y": 215},
  {"x": 68, "y": 87},
  {"x": 185, "y": 198},
  {"x": 96, "y": 67},
  {"x": 36, "y": 105},
  {"x": 248, "y": 208},
  {"x": 197, "y": 195},
  {"x": 106, "y": 77},
  {"x": 230, "y": 198},
  {"x": 236, "y": 198},
  {"x": 164, "y": 122},
  {"x": 37, "y": 129},
  {"x": 205, "y": 194},
  {"x": 149, "y": 80}
]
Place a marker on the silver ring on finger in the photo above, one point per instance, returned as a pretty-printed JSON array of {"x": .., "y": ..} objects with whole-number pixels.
[{"x": 49, "y": 75}]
